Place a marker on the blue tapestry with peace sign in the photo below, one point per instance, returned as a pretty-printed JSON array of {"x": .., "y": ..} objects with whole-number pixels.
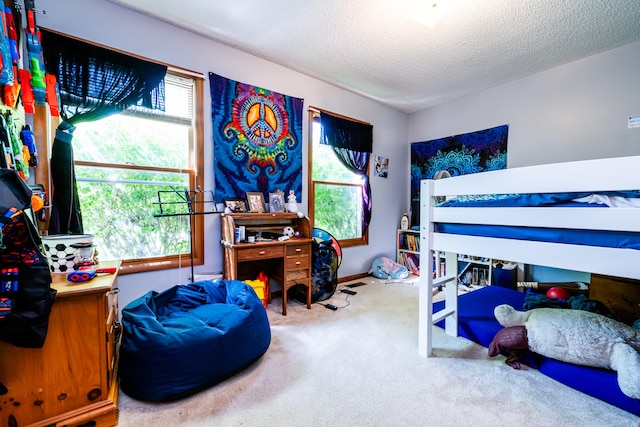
[{"x": 257, "y": 140}]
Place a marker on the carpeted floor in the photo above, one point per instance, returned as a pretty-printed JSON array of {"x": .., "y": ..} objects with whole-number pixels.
[{"x": 359, "y": 366}]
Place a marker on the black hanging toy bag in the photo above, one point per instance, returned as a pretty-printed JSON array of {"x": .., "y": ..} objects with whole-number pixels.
[{"x": 26, "y": 296}]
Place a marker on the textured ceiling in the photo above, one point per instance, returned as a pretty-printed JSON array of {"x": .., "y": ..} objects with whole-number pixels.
[{"x": 376, "y": 49}]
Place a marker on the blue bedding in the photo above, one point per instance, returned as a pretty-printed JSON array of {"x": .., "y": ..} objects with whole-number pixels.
[
  {"x": 611, "y": 239},
  {"x": 477, "y": 323},
  {"x": 530, "y": 199}
]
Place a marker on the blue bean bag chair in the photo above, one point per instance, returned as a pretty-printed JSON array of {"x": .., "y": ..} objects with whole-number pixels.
[{"x": 189, "y": 337}]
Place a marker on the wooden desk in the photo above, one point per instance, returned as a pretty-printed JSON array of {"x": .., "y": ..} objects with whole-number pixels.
[
  {"x": 288, "y": 261},
  {"x": 72, "y": 379}
]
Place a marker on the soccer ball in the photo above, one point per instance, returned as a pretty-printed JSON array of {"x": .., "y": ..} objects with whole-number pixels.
[{"x": 288, "y": 231}]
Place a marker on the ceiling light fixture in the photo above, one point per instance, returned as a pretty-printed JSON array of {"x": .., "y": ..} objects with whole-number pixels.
[{"x": 430, "y": 12}]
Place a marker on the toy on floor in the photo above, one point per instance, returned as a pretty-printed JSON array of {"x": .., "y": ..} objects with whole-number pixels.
[
  {"x": 386, "y": 268},
  {"x": 573, "y": 336}
]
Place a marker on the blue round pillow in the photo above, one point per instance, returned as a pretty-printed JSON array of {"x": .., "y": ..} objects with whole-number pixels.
[{"x": 189, "y": 337}]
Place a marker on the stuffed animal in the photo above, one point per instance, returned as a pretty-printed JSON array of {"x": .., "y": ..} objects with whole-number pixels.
[
  {"x": 576, "y": 336},
  {"x": 386, "y": 268}
]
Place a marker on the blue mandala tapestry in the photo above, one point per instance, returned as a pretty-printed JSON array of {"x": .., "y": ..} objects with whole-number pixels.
[
  {"x": 459, "y": 154},
  {"x": 257, "y": 140}
]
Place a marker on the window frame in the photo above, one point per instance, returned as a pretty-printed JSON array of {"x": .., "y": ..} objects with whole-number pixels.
[
  {"x": 44, "y": 130},
  {"x": 314, "y": 115}
]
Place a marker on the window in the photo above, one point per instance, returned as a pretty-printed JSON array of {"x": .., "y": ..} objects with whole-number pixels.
[
  {"x": 335, "y": 193},
  {"x": 122, "y": 161}
]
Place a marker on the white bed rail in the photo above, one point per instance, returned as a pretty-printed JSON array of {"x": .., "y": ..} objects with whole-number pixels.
[{"x": 612, "y": 174}]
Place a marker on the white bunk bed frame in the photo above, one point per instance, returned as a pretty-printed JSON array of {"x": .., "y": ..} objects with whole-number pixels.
[{"x": 622, "y": 173}]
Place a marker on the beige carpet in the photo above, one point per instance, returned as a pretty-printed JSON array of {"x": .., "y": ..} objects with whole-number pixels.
[{"x": 359, "y": 366}]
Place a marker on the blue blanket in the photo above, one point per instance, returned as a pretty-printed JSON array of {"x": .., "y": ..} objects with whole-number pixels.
[{"x": 527, "y": 199}]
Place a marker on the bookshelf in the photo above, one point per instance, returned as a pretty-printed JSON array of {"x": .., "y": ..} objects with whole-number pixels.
[
  {"x": 408, "y": 252},
  {"x": 408, "y": 249},
  {"x": 474, "y": 271}
]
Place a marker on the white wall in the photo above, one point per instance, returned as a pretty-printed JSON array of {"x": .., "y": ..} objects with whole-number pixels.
[
  {"x": 103, "y": 22},
  {"x": 573, "y": 112},
  {"x": 576, "y": 111}
]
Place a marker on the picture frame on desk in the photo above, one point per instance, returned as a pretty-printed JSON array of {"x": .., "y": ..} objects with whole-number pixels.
[
  {"x": 236, "y": 205},
  {"x": 256, "y": 202},
  {"x": 276, "y": 202}
]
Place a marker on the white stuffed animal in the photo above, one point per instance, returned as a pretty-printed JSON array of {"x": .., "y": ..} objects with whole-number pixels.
[{"x": 581, "y": 337}]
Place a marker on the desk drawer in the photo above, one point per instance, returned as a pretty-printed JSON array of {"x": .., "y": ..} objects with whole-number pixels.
[
  {"x": 252, "y": 254},
  {"x": 299, "y": 249},
  {"x": 298, "y": 276},
  {"x": 296, "y": 263}
]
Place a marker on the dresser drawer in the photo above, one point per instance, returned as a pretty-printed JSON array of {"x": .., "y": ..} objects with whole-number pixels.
[
  {"x": 297, "y": 263},
  {"x": 297, "y": 276},
  {"x": 252, "y": 254},
  {"x": 298, "y": 249}
]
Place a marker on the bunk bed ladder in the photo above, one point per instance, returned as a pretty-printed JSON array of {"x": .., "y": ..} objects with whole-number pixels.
[{"x": 428, "y": 284}]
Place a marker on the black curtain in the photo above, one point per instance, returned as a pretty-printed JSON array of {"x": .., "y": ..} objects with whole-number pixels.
[
  {"x": 93, "y": 83},
  {"x": 352, "y": 143}
]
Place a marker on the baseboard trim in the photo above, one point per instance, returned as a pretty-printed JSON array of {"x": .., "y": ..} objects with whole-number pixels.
[{"x": 352, "y": 277}]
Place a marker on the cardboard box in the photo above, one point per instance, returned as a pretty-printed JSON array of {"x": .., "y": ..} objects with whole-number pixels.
[{"x": 621, "y": 296}]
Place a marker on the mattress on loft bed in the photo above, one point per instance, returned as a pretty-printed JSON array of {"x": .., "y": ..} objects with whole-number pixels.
[
  {"x": 600, "y": 238},
  {"x": 477, "y": 323},
  {"x": 630, "y": 198}
]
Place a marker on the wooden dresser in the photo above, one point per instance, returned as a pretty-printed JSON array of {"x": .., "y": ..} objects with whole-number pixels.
[
  {"x": 72, "y": 380},
  {"x": 288, "y": 262}
]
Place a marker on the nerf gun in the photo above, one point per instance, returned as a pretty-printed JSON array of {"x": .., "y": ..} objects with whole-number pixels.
[
  {"x": 12, "y": 91},
  {"x": 16, "y": 145},
  {"x": 39, "y": 200},
  {"x": 38, "y": 87},
  {"x": 29, "y": 141},
  {"x": 6, "y": 62},
  {"x": 7, "y": 160},
  {"x": 38, "y": 83},
  {"x": 13, "y": 35},
  {"x": 86, "y": 275},
  {"x": 34, "y": 49},
  {"x": 52, "y": 94},
  {"x": 27, "y": 92}
]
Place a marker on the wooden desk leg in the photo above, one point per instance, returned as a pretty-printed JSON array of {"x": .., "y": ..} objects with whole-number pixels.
[{"x": 284, "y": 300}]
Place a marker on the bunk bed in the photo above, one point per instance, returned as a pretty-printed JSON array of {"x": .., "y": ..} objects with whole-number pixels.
[{"x": 444, "y": 233}]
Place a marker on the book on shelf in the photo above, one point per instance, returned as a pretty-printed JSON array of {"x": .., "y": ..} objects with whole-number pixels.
[
  {"x": 409, "y": 242},
  {"x": 411, "y": 261},
  {"x": 442, "y": 265}
]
